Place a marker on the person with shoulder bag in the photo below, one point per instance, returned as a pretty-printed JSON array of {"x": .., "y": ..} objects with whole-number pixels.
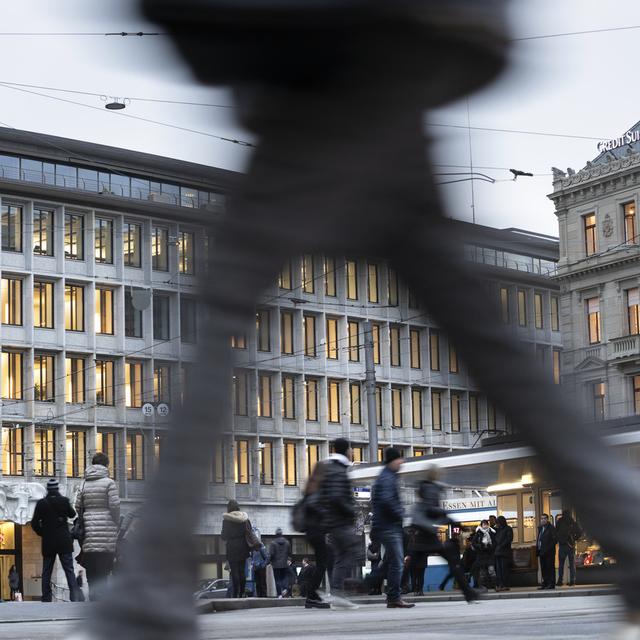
[
  {"x": 238, "y": 534},
  {"x": 50, "y": 522},
  {"x": 99, "y": 504}
]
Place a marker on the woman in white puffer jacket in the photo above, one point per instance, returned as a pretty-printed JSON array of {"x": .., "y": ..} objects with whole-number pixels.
[{"x": 99, "y": 501}]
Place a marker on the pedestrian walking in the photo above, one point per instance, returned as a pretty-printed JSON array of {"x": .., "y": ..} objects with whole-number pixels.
[
  {"x": 374, "y": 556},
  {"x": 386, "y": 529},
  {"x": 236, "y": 530},
  {"x": 259, "y": 561},
  {"x": 427, "y": 516},
  {"x": 484, "y": 544},
  {"x": 51, "y": 522},
  {"x": 546, "y": 552},
  {"x": 279, "y": 551},
  {"x": 306, "y": 576},
  {"x": 567, "y": 533},
  {"x": 503, "y": 553},
  {"x": 99, "y": 503},
  {"x": 452, "y": 548},
  {"x": 14, "y": 581}
]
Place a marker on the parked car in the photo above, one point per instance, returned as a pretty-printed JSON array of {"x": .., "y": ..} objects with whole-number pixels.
[{"x": 218, "y": 589}]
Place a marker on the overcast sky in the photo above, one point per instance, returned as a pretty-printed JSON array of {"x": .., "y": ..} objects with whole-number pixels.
[{"x": 580, "y": 85}]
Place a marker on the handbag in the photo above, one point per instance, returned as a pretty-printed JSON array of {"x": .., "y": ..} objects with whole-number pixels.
[
  {"x": 250, "y": 537},
  {"x": 77, "y": 529}
]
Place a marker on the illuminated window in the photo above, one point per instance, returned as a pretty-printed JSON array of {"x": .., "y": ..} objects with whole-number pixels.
[
  {"x": 43, "y": 234},
  {"x": 263, "y": 329},
  {"x": 162, "y": 383},
  {"x": 418, "y": 452},
  {"x": 43, "y": 304},
  {"x": 332, "y": 338},
  {"x": 358, "y": 454},
  {"x": 73, "y": 236},
  {"x": 414, "y": 343},
  {"x": 556, "y": 366},
  {"x": 352, "y": 280},
  {"x": 288, "y": 397},
  {"x": 355, "y": 401},
  {"x": 11, "y": 227},
  {"x": 74, "y": 380},
  {"x": 372, "y": 283},
  {"x": 103, "y": 232},
  {"x": 311, "y": 400},
  {"x": 381, "y": 453},
  {"x": 286, "y": 332},
  {"x": 455, "y": 402},
  {"x": 266, "y": 463},
  {"x": 593, "y": 320},
  {"x": 538, "y": 310},
  {"x": 12, "y": 451},
  {"x": 242, "y": 462},
  {"x": 473, "y": 412},
  {"x": 313, "y": 457},
  {"x": 309, "y": 325},
  {"x": 285, "y": 280},
  {"x": 217, "y": 464},
  {"x": 12, "y": 375},
  {"x": 161, "y": 317},
  {"x": 589, "y": 222},
  {"x": 333, "y": 400},
  {"x": 416, "y": 408},
  {"x": 394, "y": 345},
  {"x": 239, "y": 341},
  {"x": 630, "y": 235},
  {"x": 104, "y": 382},
  {"x": 290, "y": 465},
  {"x": 132, "y": 317},
  {"x": 633, "y": 310},
  {"x": 131, "y": 238},
  {"x": 135, "y": 456},
  {"x": 555, "y": 314},
  {"x": 308, "y": 276},
  {"x": 73, "y": 307},
  {"x": 375, "y": 334},
  {"x": 104, "y": 311},
  {"x": 434, "y": 349},
  {"x": 106, "y": 443},
  {"x": 188, "y": 320},
  {"x": 11, "y": 301},
  {"x": 186, "y": 253},
  {"x": 264, "y": 396},
  {"x": 44, "y": 452},
  {"x": 44, "y": 378},
  {"x": 453, "y": 359},
  {"x": 436, "y": 410},
  {"x": 354, "y": 341},
  {"x": 330, "y": 277},
  {"x": 393, "y": 287},
  {"x": 160, "y": 249},
  {"x": 76, "y": 447},
  {"x": 504, "y": 304},
  {"x": 240, "y": 403},
  {"x": 636, "y": 394},
  {"x": 396, "y": 407},
  {"x": 522, "y": 308},
  {"x": 598, "y": 395},
  {"x": 133, "y": 384}
]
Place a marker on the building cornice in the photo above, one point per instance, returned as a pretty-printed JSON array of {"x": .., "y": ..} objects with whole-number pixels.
[{"x": 594, "y": 268}]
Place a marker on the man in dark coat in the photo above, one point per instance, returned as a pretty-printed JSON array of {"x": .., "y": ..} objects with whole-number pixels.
[
  {"x": 546, "y": 552},
  {"x": 50, "y": 522},
  {"x": 568, "y": 533},
  {"x": 388, "y": 513},
  {"x": 279, "y": 551},
  {"x": 503, "y": 553},
  {"x": 235, "y": 525}
]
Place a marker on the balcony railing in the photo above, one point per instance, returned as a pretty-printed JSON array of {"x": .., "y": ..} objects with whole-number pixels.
[{"x": 624, "y": 347}]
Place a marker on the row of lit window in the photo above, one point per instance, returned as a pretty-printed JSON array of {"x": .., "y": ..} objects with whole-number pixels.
[
  {"x": 594, "y": 332},
  {"x": 137, "y": 387},
  {"x": 74, "y": 239},
  {"x": 590, "y": 230},
  {"x": 540, "y": 314},
  {"x": 11, "y": 296},
  {"x": 598, "y": 392},
  {"x": 47, "y": 464}
]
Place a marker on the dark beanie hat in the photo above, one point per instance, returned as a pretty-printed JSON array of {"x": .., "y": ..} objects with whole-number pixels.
[
  {"x": 52, "y": 485},
  {"x": 391, "y": 454},
  {"x": 232, "y": 505},
  {"x": 341, "y": 446}
]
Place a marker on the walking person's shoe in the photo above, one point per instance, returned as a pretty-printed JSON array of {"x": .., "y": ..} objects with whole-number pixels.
[
  {"x": 559, "y": 583},
  {"x": 341, "y": 603},
  {"x": 571, "y": 584},
  {"x": 472, "y": 595},
  {"x": 400, "y": 604},
  {"x": 316, "y": 604}
]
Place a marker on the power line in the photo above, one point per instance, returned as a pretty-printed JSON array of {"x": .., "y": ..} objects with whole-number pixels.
[
  {"x": 516, "y": 131},
  {"x": 66, "y": 34},
  {"x": 575, "y": 33},
  {"x": 242, "y": 143}
]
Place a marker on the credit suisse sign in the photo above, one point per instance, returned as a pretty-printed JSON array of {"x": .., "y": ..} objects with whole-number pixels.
[{"x": 629, "y": 137}]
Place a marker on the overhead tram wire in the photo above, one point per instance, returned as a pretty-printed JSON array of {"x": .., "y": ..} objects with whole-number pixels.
[
  {"x": 242, "y": 143},
  {"x": 576, "y": 33},
  {"x": 69, "y": 34}
]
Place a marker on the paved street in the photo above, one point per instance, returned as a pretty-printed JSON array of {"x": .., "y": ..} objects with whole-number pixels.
[{"x": 554, "y": 618}]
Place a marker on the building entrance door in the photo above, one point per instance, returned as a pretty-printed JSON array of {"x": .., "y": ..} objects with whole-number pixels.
[{"x": 10, "y": 554}]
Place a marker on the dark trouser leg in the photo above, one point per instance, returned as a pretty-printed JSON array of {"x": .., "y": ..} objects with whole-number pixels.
[
  {"x": 393, "y": 558},
  {"x": 280, "y": 577},
  {"x": 98, "y": 567},
  {"x": 47, "y": 570},
  {"x": 261, "y": 582},
  {"x": 418, "y": 561},
  {"x": 319, "y": 544},
  {"x": 344, "y": 548},
  {"x": 563, "y": 551},
  {"x": 66, "y": 560},
  {"x": 236, "y": 568},
  {"x": 548, "y": 570},
  {"x": 502, "y": 572},
  {"x": 571, "y": 558},
  {"x": 455, "y": 569}
]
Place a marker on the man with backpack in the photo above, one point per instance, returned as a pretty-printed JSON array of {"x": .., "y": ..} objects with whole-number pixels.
[
  {"x": 50, "y": 522},
  {"x": 259, "y": 561}
]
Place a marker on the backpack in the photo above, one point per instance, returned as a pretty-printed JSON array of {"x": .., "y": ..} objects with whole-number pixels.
[{"x": 260, "y": 558}]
